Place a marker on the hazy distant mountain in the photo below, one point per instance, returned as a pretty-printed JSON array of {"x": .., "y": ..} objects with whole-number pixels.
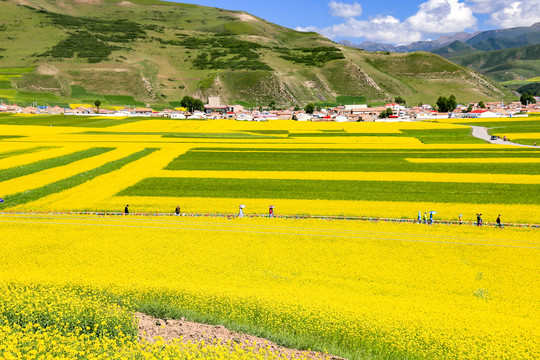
[{"x": 415, "y": 46}]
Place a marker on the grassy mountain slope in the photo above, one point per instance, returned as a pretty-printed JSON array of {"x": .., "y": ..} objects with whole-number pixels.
[
  {"x": 147, "y": 51},
  {"x": 506, "y": 38},
  {"x": 505, "y": 65}
]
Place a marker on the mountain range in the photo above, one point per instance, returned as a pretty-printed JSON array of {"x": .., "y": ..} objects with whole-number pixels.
[
  {"x": 503, "y": 55},
  {"x": 156, "y": 52}
]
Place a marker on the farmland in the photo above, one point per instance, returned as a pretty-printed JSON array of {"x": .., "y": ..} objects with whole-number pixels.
[{"x": 362, "y": 290}]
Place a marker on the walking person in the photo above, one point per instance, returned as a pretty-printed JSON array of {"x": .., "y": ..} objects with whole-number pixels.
[
  {"x": 460, "y": 219},
  {"x": 499, "y": 224},
  {"x": 419, "y": 217},
  {"x": 424, "y": 218},
  {"x": 478, "y": 219},
  {"x": 126, "y": 210},
  {"x": 241, "y": 211},
  {"x": 271, "y": 211},
  {"x": 177, "y": 210}
]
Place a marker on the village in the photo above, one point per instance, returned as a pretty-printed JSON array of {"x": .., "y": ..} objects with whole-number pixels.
[{"x": 214, "y": 109}]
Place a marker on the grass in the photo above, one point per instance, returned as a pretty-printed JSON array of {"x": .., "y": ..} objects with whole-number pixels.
[
  {"x": 19, "y": 171},
  {"x": 65, "y": 120},
  {"x": 335, "y": 190},
  {"x": 56, "y": 187},
  {"x": 444, "y": 136},
  {"x": 184, "y": 135},
  {"x": 449, "y": 136},
  {"x": 7, "y": 154},
  {"x": 364, "y": 160}
]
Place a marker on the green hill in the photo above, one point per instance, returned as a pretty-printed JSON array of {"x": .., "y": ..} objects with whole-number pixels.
[
  {"x": 504, "y": 65},
  {"x": 154, "y": 52}
]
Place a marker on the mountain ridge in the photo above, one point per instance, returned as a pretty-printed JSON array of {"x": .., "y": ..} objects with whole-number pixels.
[{"x": 148, "y": 52}]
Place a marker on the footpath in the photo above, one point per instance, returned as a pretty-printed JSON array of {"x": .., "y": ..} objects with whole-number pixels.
[{"x": 305, "y": 217}]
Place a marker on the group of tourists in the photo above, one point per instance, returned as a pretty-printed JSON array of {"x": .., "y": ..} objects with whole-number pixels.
[
  {"x": 424, "y": 219},
  {"x": 421, "y": 219}
]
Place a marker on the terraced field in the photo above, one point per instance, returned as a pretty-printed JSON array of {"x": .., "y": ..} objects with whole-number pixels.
[{"x": 362, "y": 290}]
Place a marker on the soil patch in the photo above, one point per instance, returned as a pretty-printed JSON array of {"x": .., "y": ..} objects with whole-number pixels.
[{"x": 151, "y": 327}]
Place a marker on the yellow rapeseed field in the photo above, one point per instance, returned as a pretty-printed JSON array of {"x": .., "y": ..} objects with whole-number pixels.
[
  {"x": 381, "y": 289},
  {"x": 69, "y": 285}
]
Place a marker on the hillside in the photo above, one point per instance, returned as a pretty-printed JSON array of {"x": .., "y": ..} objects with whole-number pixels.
[
  {"x": 154, "y": 52},
  {"x": 504, "y": 65}
]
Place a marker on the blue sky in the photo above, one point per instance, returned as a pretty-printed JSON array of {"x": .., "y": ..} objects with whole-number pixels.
[{"x": 388, "y": 21}]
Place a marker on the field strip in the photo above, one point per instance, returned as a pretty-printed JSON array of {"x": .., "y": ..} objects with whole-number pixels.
[
  {"x": 355, "y": 176},
  {"x": 104, "y": 187},
  {"x": 42, "y": 178},
  {"x": 258, "y": 232},
  {"x": 499, "y": 160},
  {"x": 530, "y": 135},
  {"x": 25, "y": 159}
]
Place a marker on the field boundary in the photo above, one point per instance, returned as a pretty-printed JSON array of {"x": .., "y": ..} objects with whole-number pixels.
[{"x": 300, "y": 217}]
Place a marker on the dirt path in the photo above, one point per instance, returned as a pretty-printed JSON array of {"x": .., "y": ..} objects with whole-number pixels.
[
  {"x": 151, "y": 327},
  {"x": 482, "y": 133}
]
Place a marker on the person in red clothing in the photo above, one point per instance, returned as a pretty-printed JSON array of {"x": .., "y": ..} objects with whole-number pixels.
[{"x": 271, "y": 211}]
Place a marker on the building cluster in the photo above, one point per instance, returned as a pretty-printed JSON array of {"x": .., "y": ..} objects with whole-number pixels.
[{"x": 343, "y": 113}]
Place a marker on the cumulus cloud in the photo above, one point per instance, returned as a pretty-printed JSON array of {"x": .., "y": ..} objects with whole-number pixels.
[
  {"x": 344, "y": 10},
  {"x": 517, "y": 13},
  {"x": 442, "y": 17},
  {"x": 434, "y": 18}
]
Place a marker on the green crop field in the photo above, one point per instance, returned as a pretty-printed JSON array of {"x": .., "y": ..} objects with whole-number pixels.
[
  {"x": 366, "y": 160},
  {"x": 334, "y": 190}
]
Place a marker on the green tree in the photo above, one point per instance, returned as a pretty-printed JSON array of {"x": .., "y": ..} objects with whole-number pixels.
[
  {"x": 451, "y": 103},
  {"x": 399, "y": 100},
  {"x": 386, "y": 113},
  {"x": 482, "y": 105},
  {"x": 97, "y": 103},
  {"x": 272, "y": 105},
  {"x": 527, "y": 98},
  {"x": 296, "y": 107},
  {"x": 442, "y": 104},
  {"x": 469, "y": 108},
  {"x": 192, "y": 104},
  {"x": 310, "y": 108}
]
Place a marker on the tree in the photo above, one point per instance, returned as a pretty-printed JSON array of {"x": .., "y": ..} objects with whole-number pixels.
[
  {"x": 192, "y": 104},
  {"x": 272, "y": 105},
  {"x": 310, "y": 108},
  {"x": 469, "y": 108},
  {"x": 386, "y": 113},
  {"x": 296, "y": 107},
  {"x": 442, "y": 104},
  {"x": 482, "y": 105},
  {"x": 97, "y": 103},
  {"x": 527, "y": 98},
  {"x": 399, "y": 100},
  {"x": 451, "y": 104}
]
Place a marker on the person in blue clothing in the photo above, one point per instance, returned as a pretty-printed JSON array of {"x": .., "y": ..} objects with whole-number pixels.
[{"x": 419, "y": 217}]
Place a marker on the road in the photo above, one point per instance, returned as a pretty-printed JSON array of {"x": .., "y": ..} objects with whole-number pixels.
[{"x": 482, "y": 133}]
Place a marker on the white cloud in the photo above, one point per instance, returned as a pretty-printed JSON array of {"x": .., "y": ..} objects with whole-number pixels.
[
  {"x": 434, "y": 18},
  {"x": 442, "y": 17},
  {"x": 517, "y": 13},
  {"x": 487, "y": 6},
  {"x": 343, "y": 10}
]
